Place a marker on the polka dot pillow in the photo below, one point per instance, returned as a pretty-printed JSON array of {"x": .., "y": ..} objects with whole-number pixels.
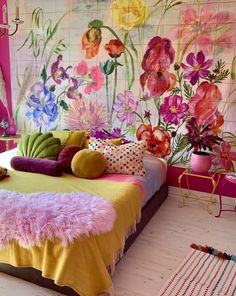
[{"x": 125, "y": 159}]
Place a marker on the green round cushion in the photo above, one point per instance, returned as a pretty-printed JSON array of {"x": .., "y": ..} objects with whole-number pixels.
[{"x": 88, "y": 164}]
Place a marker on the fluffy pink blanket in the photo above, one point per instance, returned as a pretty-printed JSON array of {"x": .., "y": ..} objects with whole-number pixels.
[{"x": 31, "y": 218}]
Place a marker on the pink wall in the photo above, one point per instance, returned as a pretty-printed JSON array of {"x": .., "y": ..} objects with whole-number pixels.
[
  {"x": 199, "y": 184},
  {"x": 5, "y": 61}
]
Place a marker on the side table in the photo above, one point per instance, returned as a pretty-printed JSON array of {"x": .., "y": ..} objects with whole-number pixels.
[
  {"x": 7, "y": 140},
  {"x": 209, "y": 200},
  {"x": 231, "y": 177}
]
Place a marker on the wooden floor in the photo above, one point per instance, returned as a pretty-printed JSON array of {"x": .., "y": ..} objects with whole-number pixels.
[{"x": 158, "y": 251}]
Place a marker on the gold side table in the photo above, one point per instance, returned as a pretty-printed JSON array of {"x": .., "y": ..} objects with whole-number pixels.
[
  {"x": 7, "y": 140},
  {"x": 207, "y": 200}
]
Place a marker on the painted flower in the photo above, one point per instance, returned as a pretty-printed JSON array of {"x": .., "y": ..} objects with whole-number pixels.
[
  {"x": 93, "y": 78},
  {"x": 223, "y": 156},
  {"x": 45, "y": 110},
  {"x": 59, "y": 73},
  {"x": 172, "y": 110},
  {"x": 156, "y": 61},
  {"x": 206, "y": 28},
  {"x": 158, "y": 141},
  {"x": 72, "y": 91},
  {"x": 129, "y": 14},
  {"x": 86, "y": 114},
  {"x": 204, "y": 103},
  {"x": 125, "y": 106},
  {"x": 199, "y": 67},
  {"x": 91, "y": 41},
  {"x": 114, "y": 48},
  {"x": 215, "y": 122}
]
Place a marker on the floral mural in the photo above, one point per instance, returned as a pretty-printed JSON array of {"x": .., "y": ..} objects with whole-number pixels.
[{"x": 136, "y": 72}]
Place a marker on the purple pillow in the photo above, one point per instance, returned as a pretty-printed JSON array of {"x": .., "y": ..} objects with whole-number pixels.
[
  {"x": 37, "y": 165},
  {"x": 66, "y": 155}
]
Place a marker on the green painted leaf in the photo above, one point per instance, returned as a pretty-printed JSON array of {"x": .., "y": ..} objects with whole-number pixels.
[
  {"x": 52, "y": 87},
  {"x": 64, "y": 105},
  {"x": 95, "y": 24},
  {"x": 44, "y": 74}
]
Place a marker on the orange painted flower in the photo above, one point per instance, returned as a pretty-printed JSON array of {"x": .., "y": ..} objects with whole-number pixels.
[
  {"x": 158, "y": 140},
  {"x": 114, "y": 48},
  {"x": 91, "y": 41}
]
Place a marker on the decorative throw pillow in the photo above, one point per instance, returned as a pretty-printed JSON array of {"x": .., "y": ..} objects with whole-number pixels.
[
  {"x": 37, "y": 165},
  {"x": 66, "y": 155},
  {"x": 70, "y": 137},
  {"x": 88, "y": 164},
  {"x": 40, "y": 145},
  {"x": 124, "y": 159},
  {"x": 115, "y": 141}
]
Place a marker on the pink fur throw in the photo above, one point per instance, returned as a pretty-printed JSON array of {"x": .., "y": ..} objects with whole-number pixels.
[{"x": 31, "y": 218}]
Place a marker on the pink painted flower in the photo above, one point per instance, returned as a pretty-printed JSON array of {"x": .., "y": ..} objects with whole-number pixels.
[
  {"x": 198, "y": 67},
  {"x": 206, "y": 28},
  {"x": 223, "y": 156},
  {"x": 86, "y": 114},
  {"x": 92, "y": 78},
  {"x": 72, "y": 92},
  {"x": 125, "y": 106},
  {"x": 173, "y": 109},
  {"x": 156, "y": 61},
  {"x": 204, "y": 103},
  {"x": 96, "y": 80}
]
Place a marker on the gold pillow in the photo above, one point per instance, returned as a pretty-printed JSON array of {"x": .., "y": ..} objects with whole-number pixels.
[
  {"x": 70, "y": 137},
  {"x": 88, "y": 164}
]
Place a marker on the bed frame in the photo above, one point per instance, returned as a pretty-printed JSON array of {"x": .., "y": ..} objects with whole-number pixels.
[{"x": 32, "y": 275}]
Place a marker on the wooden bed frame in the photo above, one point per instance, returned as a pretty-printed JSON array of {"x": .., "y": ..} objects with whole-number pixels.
[{"x": 32, "y": 275}]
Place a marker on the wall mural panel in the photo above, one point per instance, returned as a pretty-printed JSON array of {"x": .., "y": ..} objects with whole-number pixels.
[{"x": 157, "y": 70}]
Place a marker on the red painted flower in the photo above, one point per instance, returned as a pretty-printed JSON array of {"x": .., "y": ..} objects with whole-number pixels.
[
  {"x": 158, "y": 140},
  {"x": 223, "y": 156},
  {"x": 156, "y": 61},
  {"x": 114, "y": 48},
  {"x": 205, "y": 102},
  {"x": 91, "y": 41}
]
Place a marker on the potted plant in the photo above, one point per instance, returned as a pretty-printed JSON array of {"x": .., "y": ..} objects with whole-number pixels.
[{"x": 201, "y": 139}]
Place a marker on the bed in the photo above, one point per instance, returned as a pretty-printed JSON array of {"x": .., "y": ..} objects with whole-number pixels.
[{"x": 85, "y": 266}]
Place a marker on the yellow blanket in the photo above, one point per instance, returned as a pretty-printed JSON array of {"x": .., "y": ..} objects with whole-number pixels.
[{"x": 83, "y": 264}]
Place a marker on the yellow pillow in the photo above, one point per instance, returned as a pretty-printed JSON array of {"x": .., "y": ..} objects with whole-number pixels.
[
  {"x": 88, "y": 164},
  {"x": 70, "y": 137},
  {"x": 116, "y": 142}
]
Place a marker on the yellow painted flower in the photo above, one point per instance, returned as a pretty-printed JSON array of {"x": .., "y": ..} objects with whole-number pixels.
[{"x": 129, "y": 14}]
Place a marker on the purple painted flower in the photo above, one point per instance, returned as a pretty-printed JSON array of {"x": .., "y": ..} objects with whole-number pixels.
[
  {"x": 173, "y": 109},
  {"x": 43, "y": 103},
  {"x": 125, "y": 106},
  {"x": 59, "y": 73},
  {"x": 198, "y": 67},
  {"x": 72, "y": 92}
]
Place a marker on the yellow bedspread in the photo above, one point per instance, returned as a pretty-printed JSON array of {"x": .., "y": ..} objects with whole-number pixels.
[{"x": 83, "y": 264}]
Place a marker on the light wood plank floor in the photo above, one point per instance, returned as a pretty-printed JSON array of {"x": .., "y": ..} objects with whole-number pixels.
[{"x": 157, "y": 252}]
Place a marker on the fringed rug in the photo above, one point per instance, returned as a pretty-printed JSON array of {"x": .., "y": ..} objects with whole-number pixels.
[{"x": 205, "y": 271}]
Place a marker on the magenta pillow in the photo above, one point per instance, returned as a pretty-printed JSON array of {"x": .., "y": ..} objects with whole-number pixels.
[
  {"x": 37, "y": 165},
  {"x": 66, "y": 155}
]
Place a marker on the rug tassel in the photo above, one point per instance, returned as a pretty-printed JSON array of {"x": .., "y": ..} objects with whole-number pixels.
[{"x": 214, "y": 252}]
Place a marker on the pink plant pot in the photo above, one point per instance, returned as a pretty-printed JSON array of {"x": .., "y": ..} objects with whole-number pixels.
[
  {"x": 11, "y": 129},
  {"x": 200, "y": 162}
]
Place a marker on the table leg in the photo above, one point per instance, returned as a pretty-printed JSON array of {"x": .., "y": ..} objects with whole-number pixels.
[{"x": 220, "y": 210}]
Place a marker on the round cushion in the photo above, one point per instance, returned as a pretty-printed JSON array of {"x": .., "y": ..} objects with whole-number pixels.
[{"x": 88, "y": 164}]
